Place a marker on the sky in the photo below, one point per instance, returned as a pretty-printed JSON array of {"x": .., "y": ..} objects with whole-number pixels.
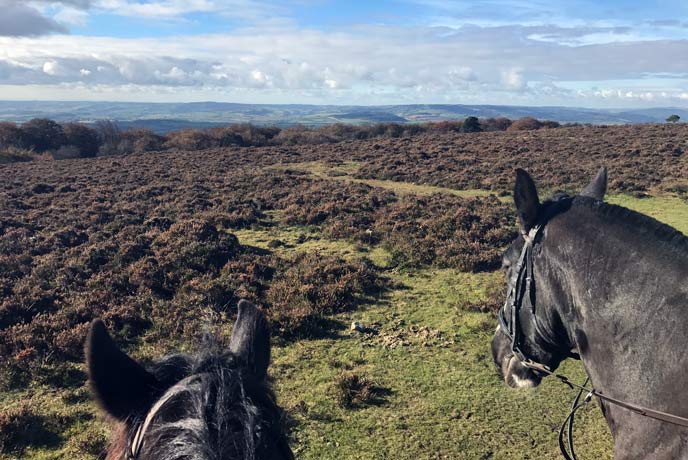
[{"x": 582, "y": 53}]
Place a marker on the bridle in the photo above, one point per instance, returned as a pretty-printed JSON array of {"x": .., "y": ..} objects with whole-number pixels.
[{"x": 524, "y": 285}]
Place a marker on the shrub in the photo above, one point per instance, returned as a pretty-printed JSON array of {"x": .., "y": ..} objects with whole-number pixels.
[
  {"x": 67, "y": 152},
  {"x": 312, "y": 285},
  {"x": 550, "y": 124},
  {"x": 140, "y": 140},
  {"x": 11, "y": 135},
  {"x": 189, "y": 139},
  {"x": 340, "y": 131},
  {"x": 226, "y": 136},
  {"x": 525, "y": 124},
  {"x": 110, "y": 137},
  {"x": 447, "y": 126},
  {"x": 108, "y": 131},
  {"x": 446, "y": 231},
  {"x": 83, "y": 138},
  {"x": 495, "y": 124},
  {"x": 256, "y": 136},
  {"x": 43, "y": 134},
  {"x": 21, "y": 426},
  {"x": 300, "y": 135},
  {"x": 471, "y": 125}
]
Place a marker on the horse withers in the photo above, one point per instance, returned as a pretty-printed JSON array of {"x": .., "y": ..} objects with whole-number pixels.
[
  {"x": 611, "y": 284},
  {"x": 213, "y": 405}
]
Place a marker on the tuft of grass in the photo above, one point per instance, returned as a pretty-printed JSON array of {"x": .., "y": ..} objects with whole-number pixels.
[
  {"x": 354, "y": 391},
  {"x": 16, "y": 155}
]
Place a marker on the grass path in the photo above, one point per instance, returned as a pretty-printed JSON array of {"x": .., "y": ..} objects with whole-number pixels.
[
  {"x": 666, "y": 208},
  {"x": 346, "y": 170}
]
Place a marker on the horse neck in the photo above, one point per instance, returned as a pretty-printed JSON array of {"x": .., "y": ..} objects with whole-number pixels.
[{"x": 622, "y": 303}]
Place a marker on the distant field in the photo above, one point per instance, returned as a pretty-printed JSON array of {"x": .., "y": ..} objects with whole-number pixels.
[
  {"x": 163, "y": 117},
  {"x": 403, "y": 235}
]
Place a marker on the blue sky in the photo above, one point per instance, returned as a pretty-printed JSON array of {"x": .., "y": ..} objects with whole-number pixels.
[{"x": 576, "y": 53}]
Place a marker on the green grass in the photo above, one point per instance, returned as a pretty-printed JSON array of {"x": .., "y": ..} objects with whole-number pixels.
[
  {"x": 431, "y": 351},
  {"x": 446, "y": 400},
  {"x": 62, "y": 424},
  {"x": 668, "y": 209}
]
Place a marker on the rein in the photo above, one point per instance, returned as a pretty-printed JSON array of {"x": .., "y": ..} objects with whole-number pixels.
[{"x": 523, "y": 285}]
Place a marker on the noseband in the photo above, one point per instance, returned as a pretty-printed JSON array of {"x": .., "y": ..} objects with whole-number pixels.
[{"x": 524, "y": 285}]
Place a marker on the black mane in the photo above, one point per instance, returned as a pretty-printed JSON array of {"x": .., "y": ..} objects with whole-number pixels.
[
  {"x": 618, "y": 214},
  {"x": 214, "y": 409}
]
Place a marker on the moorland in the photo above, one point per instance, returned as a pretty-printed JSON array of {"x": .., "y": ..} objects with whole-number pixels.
[{"x": 401, "y": 234}]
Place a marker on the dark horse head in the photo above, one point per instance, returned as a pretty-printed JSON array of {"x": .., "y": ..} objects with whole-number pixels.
[
  {"x": 213, "y": 405},
  {"x": 542, "y": 338},
  {"x": 611, "y": 284}
]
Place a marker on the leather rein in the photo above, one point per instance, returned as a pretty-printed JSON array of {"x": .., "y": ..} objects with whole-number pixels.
[{"x": 524, "y": 285}]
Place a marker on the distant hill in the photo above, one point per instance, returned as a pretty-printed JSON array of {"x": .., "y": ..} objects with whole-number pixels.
[{"x": 164, "y": 117}]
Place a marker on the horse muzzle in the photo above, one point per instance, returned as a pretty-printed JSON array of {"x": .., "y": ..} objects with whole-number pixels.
[
  {"x": 516, "y": 375},
  {"x": 509, "y": 367}
]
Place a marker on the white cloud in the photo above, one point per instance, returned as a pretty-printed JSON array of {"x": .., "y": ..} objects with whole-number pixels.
[
  {"x": 71, "y": 16},
  {"x": 513, "y": 79},
  {"x": 421, "y": 64},
  {"x": 174, "y": 9},
  {"x": 50, "y": 68},
  {"x": 160, "y": 9}
]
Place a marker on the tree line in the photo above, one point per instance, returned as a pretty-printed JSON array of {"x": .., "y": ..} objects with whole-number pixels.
[{"x": 48, "y": 139}]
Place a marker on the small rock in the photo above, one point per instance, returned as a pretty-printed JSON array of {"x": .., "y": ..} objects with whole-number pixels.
[{"x": 356, "y": 326}]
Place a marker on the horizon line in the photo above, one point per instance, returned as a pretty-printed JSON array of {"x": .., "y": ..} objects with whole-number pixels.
[{"x": 343, "y": 105}]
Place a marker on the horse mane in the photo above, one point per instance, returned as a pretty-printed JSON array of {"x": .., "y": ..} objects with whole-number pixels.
[
  {"x": 220, "y": 409},
  {"x": 662, "y": 232}
]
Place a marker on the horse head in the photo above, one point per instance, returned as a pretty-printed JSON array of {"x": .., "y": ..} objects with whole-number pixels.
[
  {"x": 531, "y": 335},
  {"x": 216, "y": 404}
]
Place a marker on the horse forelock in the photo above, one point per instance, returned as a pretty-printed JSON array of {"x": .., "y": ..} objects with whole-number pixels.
[{"x": 214, "y": 409}]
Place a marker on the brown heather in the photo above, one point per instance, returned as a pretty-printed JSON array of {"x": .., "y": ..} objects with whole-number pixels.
[{"x": 146, "y": 241}]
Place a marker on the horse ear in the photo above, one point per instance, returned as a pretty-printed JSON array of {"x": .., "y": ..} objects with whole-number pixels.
[
  {"x": 251, "y": 338},
  {"x": 121, "y": 386},
  {"x": 598, "y": 187},
  {"x": 526, "y": 200}
]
